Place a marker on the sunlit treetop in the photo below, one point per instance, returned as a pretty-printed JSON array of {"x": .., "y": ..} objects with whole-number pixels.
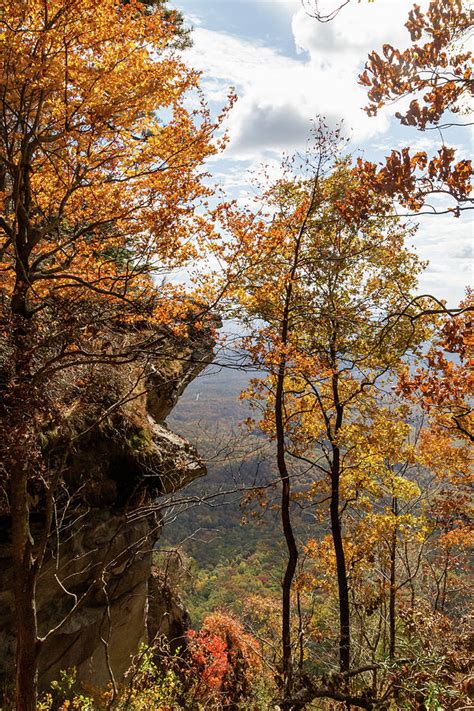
[
  {"x": 102, "y": 141},
  {"x": 348, "y": 265}
]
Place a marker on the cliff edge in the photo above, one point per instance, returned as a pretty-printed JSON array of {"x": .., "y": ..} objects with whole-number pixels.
[{"x": 117, "y": 464}]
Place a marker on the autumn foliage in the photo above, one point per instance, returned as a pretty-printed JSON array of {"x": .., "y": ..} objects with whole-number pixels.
[
  {"x": 444, "y": 384},
  {"x": 360, "y": 417},
  {"x": 440, "y": 67},
  {"x": 102, "y": 141},
  {"x": 225, "y": 658},
  {"x": 410, "y": 179},
  {"x": 101, "y": 158},
  {"x": 440, "y": 70}
]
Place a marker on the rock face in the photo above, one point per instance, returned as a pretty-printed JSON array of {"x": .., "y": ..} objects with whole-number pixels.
[
  {"x": 114, "y": 612},
  {"x": 121, "y": 464},
  {"x": 167, "y": 617}
]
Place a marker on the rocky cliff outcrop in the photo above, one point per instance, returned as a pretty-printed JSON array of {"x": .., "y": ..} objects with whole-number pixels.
[{"x": 117, "y": 465}]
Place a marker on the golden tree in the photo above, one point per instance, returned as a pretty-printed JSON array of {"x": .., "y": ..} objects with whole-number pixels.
[
  {"x": 100, "y": 173},
  {"x": 327, "y": 287}
]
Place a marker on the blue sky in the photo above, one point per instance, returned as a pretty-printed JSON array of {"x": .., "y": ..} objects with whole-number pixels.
[{"x": 287, "y": 68}]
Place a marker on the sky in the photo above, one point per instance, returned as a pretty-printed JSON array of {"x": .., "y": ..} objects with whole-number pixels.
[{"x": 287, "y": 68}]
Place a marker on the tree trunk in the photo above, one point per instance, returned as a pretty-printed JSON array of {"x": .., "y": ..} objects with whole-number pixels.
[
  {"x": 24, "y": 588},
  {"x": 287, "y": 662},
  {"x": 392, "y": 591},
  {"x": 287, "y": 665},
  {"x": 21, "y": 459},
  {"x": 26, "y": 662},
  {"x": 445, "y": 581},
  {"x": 336, "y": 527},
  {"x": 342, "y": 584}
]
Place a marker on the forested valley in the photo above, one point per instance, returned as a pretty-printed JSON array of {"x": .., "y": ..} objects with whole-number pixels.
[{"x": 236, "y": 424}]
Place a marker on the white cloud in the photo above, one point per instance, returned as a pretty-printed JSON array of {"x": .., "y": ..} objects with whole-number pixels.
[
  {"x": 356, "y": 31},
  {"x": 430, "y": 143},
  {"x": 193, "y": 20},
  {"x": 279, "y": 94},
  {"x": 447, "y": 243}
]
